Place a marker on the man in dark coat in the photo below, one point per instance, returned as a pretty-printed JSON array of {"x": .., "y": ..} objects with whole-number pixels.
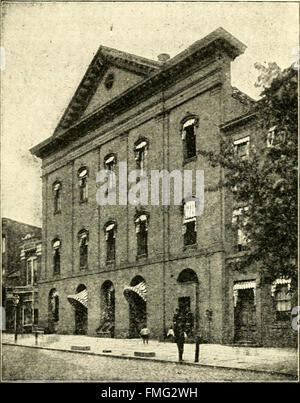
[{"x": 179, "y": 332}]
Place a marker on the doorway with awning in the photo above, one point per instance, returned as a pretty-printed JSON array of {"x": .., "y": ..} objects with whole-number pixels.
[
  {"x": 244, "y": 301},
  {"x": 136, "y": 295},
  {"x": 79, "y": 301}
]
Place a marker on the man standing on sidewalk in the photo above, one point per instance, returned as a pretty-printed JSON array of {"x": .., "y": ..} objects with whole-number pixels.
[{"x": 179, "y": 332}]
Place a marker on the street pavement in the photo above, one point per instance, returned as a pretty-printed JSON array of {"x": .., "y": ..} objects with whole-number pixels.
[
  {"x": 277, "y": 360},
  {"x": 23, "y": 364}
]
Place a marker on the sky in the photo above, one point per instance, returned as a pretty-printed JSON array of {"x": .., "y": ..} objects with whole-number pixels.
[{"x": 48, "y": 47}]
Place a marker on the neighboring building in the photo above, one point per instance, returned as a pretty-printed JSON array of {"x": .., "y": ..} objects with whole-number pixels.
[
  {"x": 21, "y": 262},
  {"x": 110, "y": 269}
]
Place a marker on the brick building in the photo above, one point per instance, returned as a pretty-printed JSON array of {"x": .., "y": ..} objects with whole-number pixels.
[
  {"x": 21, "y": 262},
  {"x": 109, "y": 269}
]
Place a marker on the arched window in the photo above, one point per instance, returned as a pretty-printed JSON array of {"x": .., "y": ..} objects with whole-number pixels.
[
  {"x": 83, "y": 184},
  {"x": 188, "y": 134},
  {"x": 189, "y": 222},
  {"x": 56, "y": 244},
  {"x": 83, "y": 238},
  {"x": 141, "y": 229},
  {"x": 57, "y": 197},
  {"x": 110, "y": 162},
  {"x": 53, "y": 307},
  {"x": 140, "y": 151},
  {"x": 110, "y": 236}
]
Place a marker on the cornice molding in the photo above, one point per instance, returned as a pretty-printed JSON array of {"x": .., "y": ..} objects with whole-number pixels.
[
  {"x": 217, "y": 42},
  {"x": 120, "y": 127}
]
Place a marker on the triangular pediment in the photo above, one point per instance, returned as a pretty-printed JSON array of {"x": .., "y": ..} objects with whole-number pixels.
[{"x": 110, "y": 73}]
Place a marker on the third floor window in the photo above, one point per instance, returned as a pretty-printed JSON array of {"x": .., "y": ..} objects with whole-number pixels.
[{"x": 83, "y": 184}]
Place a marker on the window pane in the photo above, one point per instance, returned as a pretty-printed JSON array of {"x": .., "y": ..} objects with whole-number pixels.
[{"x": 190, "y": 142}]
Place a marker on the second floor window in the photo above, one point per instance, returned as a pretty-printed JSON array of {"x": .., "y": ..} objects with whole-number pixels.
[
  {"x": 57, "y": 197},
  {"x": 110, "y": 236},
  {"x": 189, "y": 223},
  {"x": 140, "y": 151},
  {"x": 239, "y": 223},
  {"x": 110, "y": 164},
  {"x": 83, "y": 249},
  {"x": 141, "y": 228},
  {"x": 242, "y": 147},
  {"x": 83, "y": 184},
  {"x": 56, "y": 256},
  {"x": 31, "y": 271},
  {"x": 188, "y": 135}
]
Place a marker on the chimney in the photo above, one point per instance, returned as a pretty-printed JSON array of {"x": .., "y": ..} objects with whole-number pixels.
[{"x": 163, "y": 57}]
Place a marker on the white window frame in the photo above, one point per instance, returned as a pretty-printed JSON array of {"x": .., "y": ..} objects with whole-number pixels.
[
  {"x": 30, "y": 261},
  {"x": 241, "y": 238},
  {"x": 241, "y": 141}
]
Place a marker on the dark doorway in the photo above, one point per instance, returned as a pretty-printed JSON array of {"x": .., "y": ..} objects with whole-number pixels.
[
  {"x": 107, "y": 301},
  {"x": 136, "y": 296},
  {"x": 53, "y": 311},
  {"x": 245, "y": 317},
  {"x": 81, "y": 314},
  {"x": 137, "y": 315},
  {"x": 184, "y": 304}
]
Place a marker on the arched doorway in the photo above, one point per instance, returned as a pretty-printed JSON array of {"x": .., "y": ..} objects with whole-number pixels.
[
  {"x": 53, "y": 310},
  {"x": 80, "y": 304},
  {"x": 188, "y": 300},
  {"x": 107, "y": 306},
  {"x": 136, "y": 295}
]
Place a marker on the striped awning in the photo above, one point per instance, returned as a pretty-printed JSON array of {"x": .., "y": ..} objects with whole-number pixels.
[
  {"x": 79, "y": 298},
  {"x": 139, "y": 289}
]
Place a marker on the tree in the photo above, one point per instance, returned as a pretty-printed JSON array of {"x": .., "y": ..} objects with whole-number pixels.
[{"x": 266, "y": 181}]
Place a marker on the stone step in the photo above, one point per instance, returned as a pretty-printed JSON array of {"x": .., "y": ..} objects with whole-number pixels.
[
  {"x": 81, "y": 348},
  {"x": 144, "y": 354}
]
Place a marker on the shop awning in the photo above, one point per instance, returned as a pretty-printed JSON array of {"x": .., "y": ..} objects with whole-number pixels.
[
  {"x": 139, "y": 289},
  {"x": 79, "y": 298}
]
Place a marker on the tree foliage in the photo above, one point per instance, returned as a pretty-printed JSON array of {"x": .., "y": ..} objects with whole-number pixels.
[{"x": 267, "y": 181}]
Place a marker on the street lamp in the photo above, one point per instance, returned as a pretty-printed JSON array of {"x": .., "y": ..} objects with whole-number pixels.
[{"x": 16, "y": 300}]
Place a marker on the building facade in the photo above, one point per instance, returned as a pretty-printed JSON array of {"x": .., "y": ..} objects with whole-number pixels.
[
  {"x": 109, "y": 269},
  {"x": 21, "y": 263}
]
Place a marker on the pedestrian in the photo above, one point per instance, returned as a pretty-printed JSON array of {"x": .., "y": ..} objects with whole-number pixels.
[
  {"x": 145, "y": 333},
  {"x": 179, "y": 332}
]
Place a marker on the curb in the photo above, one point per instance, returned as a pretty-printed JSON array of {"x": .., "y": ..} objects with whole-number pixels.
[{"x": 193, "y": 364}]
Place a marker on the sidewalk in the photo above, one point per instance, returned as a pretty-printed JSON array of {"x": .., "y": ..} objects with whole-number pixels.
[{"x": 280, "y": 360}]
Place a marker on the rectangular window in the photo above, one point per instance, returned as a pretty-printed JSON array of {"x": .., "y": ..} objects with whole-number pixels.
[
  {"x": 242, "y": 147},
  {"x": 27, "y": 313},
  {"x": 83, "y": 253},
  {"x": 189, "y": 223},
  {"x": 241, "y": 240},
  {"x": 35, "y": 271},
  {"x": 190, "y": 236},
  {"x": 29, "y": 272},
  {"x": 83, "y": 189},
  {"x": 36, "y": 317},
  {"x": 142, "y": 238},
  {"x": 56, "y": 261},
  {"x": 275, "y": 136},
  {"x": 283, "y": 302},
  {"x": 110, "y": 240}
]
